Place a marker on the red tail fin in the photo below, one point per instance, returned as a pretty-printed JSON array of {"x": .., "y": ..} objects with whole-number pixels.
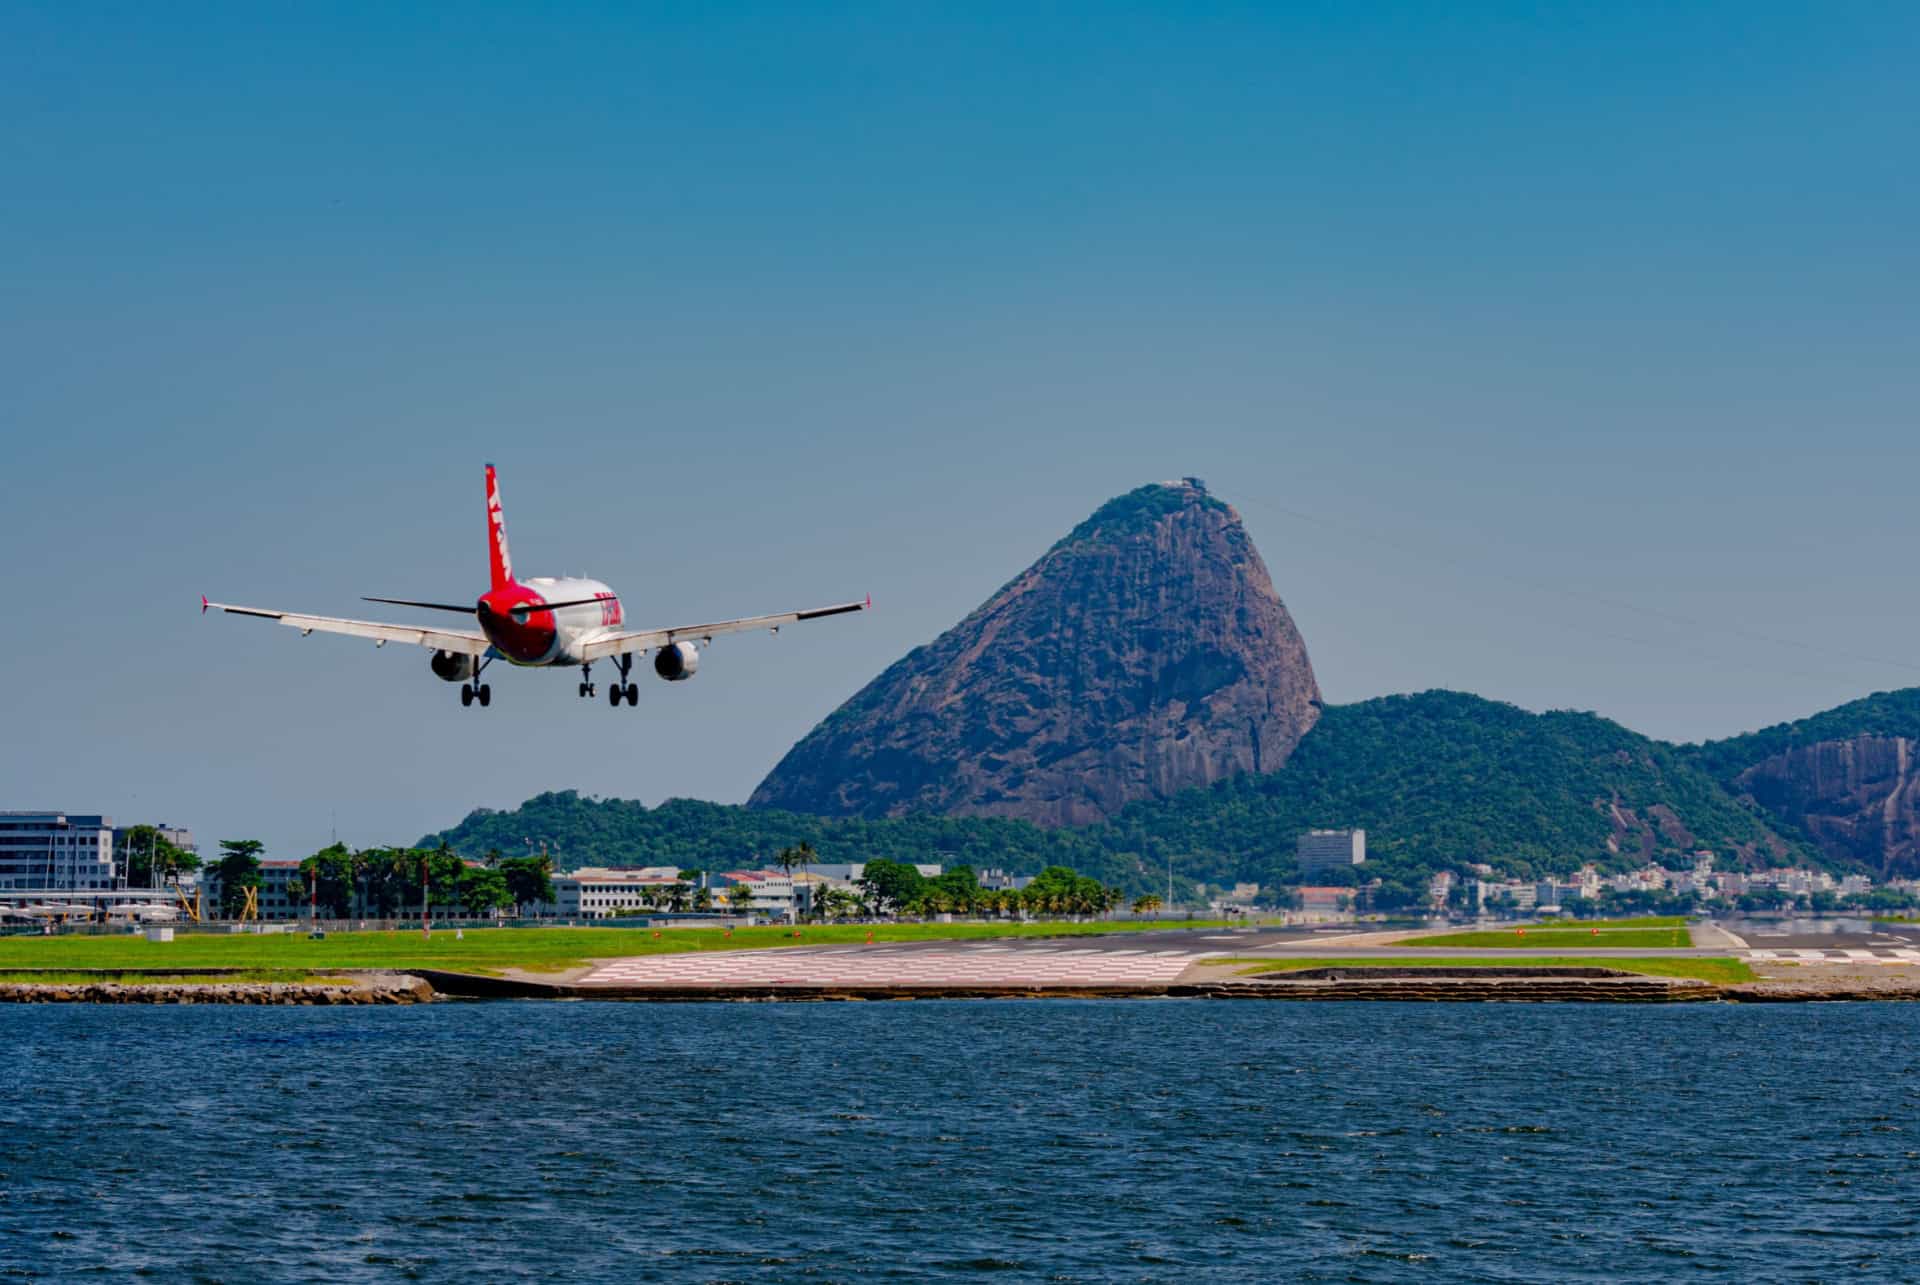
[{"x": 499, "y": 561}]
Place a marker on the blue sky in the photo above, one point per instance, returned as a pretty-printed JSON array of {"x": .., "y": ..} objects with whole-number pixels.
[{"x": 1564, "y": 354}]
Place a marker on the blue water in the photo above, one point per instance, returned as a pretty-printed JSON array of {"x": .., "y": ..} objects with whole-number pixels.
[{"x": 1053, "y": 1140}]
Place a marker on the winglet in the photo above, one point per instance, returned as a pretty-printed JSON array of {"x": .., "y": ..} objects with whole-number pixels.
[
  {"x": 869, "y": 602},
  {"x": 203, "y": 604}
]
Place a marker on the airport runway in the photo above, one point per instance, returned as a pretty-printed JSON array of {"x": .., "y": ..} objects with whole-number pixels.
[
  {"x": 1117, "y": 959},
  {"x": 1160, "y": 958}
]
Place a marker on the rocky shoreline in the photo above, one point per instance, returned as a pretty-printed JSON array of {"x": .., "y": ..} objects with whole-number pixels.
[
  {"x": 380, "y": 988},
  {"x": 1495, "y": 986}
]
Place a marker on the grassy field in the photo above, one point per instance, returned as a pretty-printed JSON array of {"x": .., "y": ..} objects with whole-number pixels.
[
  {"x": 486, "y": 950},
  {"x": 1643, "y": 933},
  {"x": 1721, "y": 972}
]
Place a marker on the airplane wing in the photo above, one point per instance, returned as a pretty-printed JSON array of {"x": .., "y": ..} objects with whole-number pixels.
[
  {"x": 647, "y": 639},
  {"x": 467, "y": 642}
]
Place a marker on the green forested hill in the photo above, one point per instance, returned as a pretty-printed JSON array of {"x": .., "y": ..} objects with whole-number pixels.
[
  {"x": 1443, "y": 779},
  {"x": 1881, "y": 714},
  {"x": 1438, "y": 780}
]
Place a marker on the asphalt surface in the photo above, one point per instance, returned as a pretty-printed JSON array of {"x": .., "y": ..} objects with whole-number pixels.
[
  {"x": 1160, "y": 956},
  {"x": 1764, "y": 936}
]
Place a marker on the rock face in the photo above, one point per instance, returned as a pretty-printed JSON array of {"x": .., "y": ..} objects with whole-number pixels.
[
  {"x": 1857, "y": 798},
  {"x": 1144, "y": 653},
  {"x": 1843, "y": 777}
]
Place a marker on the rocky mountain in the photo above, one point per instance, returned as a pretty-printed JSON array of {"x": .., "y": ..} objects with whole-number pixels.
[
  {"x": 1848, "y": 779},
  {"x": 1145, "y": 653}
]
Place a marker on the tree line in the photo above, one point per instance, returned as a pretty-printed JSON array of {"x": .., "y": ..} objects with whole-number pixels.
[
  {"x": 381, "y": 882},
  {"x": 896, "y": 887}
]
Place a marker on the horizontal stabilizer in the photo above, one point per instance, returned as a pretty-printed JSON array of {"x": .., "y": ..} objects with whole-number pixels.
[{"x": 430, "y": 606}]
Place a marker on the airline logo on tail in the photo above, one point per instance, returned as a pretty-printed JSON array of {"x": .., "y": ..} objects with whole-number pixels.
[{"x": 500, "y": 562}]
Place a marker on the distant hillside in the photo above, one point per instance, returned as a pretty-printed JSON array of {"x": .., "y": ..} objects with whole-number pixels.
[
  {"x": 1847, "y": 779},
  {"x": 1439, "y": 780},
  {"x": 1443, "y": 779},
  {"x": 1883, "y": 714}
]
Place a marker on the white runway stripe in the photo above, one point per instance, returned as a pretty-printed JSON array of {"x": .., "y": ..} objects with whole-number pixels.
[{"x": 1839, "y": 955}]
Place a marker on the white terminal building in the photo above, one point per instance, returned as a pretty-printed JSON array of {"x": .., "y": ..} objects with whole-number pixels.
[
  {"x": 56, "y": 851},
  {"x": 1319, "y": 851},
  {"x": 598, "y": 892}
]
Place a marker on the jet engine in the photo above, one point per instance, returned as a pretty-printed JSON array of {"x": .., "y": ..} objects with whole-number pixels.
[
  {"x": 676, "y": 662},
  {"x": 454, "y": 666}
]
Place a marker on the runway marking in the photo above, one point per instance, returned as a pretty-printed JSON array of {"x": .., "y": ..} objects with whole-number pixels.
[
  {"x": 1837, "y": 955},
  {"x": 791, "y": 966}
]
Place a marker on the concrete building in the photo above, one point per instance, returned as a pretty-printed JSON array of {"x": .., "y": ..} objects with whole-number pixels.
[
  {"x": 597, "y": 892},
  {"x": 57, "y": 851},
  {"x": 1319, "y": 851},
  {"x": 1325, "y": 900},
  {"x": 1549, "y": 892},
  {"x": 774, "y": 892},
  {"x": 282, "y": 896},
  {"x": 850, "y": 871}
]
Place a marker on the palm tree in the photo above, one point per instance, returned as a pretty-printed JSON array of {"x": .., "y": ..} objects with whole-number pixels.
[
  {"x": 1147, "y": 905},
  {"x": 787, "y": 859}
]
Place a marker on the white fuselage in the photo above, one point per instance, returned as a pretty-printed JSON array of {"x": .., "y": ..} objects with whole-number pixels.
[{"x": 542, "y": 637}]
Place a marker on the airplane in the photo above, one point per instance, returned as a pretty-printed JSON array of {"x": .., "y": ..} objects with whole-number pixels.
[{"x": 540, "y": 622}]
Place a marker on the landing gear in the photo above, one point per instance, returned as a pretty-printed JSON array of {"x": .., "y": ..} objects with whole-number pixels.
[
  {"x": 623, "y": 690},
  {"x": 475, "y": 690},
  {"x": 586, "y": 680}
]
